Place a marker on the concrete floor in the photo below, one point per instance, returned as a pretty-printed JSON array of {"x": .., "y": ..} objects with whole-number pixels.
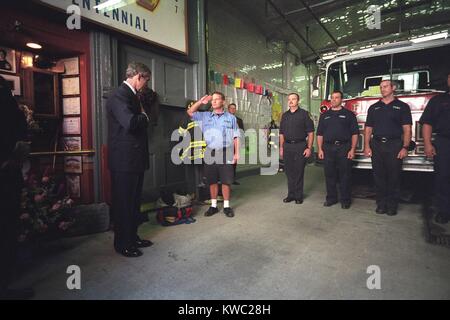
[{"x": 270, "y": 250}]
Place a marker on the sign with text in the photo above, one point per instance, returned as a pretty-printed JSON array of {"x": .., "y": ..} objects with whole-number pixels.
[{"x": 162, "y": 22}]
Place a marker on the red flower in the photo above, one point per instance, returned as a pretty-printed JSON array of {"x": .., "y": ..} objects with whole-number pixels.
[
  {"x": 39, "y": 198},
  {"x": 56, "y": 206},
  {"x": 25, "y": 216},
  {"x": 63, "y": 226}
]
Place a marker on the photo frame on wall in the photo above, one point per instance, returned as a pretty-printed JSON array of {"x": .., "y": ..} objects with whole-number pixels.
[
  {"x": 71, "y": 143},
  {"x": 71, "y": 66},
  {"x": 71, "y": 106},
  {"x": 73, "y": 186},
  {"x": 72, "y": 125},
  {"x": 71, "y": 86},
  {"x": 7, "y": 60},
  {"x": 14, "y": 83},
  {"x": 73, "y": 164}
]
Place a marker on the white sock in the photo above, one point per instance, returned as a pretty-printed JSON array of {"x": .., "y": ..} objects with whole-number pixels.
[
  {"x": 214, "y": 203},
  {"x": 226, "y": 203}
]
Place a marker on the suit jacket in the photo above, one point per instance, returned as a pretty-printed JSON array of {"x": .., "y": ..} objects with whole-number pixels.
[
  {"x": 127, "y": 132},
  {"x": 13, "y": 125}
]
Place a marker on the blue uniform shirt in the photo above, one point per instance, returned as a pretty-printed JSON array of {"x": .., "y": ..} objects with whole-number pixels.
[{"x": 219, "y": 130}]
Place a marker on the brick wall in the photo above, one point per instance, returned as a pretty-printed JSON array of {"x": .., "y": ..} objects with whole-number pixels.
[{"x": 237, "y": 46}]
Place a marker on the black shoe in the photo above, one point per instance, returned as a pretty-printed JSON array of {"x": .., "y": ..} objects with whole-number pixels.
[
  {"x": 140, "y": 243},
  {"x": 392, "y": 212},
  {"x": 442, "y": 218},
  {"x": 345, "y": 205},
  {"x": 286, "y": 200},
  {"x": 228, "y": 212},
  {"x": 211, "y": 211},
  {"x": 17, "y": 294},
  {"x": 329, "y": 203},
  {"x": 299, "y": 201},
  {"x": 130, "y": 252},
  {"x": 381, "y": 210},
  {"x": 236, "y": 183}
]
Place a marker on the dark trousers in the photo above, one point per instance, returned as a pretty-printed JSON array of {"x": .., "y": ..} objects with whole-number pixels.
[
  {"x": 387, "y": 170},
  {"x": 11, "y": 184},
  {"x": 442, "y": 174},
  {"x": 294, "y": 167},
  {"x": 337, "y": 168},
  {"x": 126, "y": 203}
]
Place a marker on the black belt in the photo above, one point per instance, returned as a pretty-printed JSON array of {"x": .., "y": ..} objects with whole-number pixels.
[
  {"x": 337, "y": 142},
  {"x": 386, "y": 139},
  {"x": 294, "y": 140}
]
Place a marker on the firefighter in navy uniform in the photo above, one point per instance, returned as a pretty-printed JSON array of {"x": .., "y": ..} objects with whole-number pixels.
[
  {"x": 436, "y": 119},
  {"x": 389, "y": 121},
  {"x": 337, "y": 137},
  {"x": 295, "y": 126}
]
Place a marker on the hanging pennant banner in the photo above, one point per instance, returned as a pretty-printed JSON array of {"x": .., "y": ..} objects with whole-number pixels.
[
  {"x": 218, "y": 78},
  {"x": 225, "y": 80},
  {"x": 239, "y": 83}
]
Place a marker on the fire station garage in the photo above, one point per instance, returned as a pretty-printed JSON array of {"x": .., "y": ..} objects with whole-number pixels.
[{"x": 225, "y": 150}]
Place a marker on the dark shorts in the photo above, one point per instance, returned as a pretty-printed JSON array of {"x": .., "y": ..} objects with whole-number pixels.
[{"x": 222, "y": 171}]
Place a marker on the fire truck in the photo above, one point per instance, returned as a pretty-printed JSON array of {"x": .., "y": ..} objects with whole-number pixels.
[{"x": 419, "y": 70}]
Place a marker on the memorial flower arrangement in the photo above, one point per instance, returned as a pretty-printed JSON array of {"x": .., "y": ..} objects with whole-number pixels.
[
  {"x": 45, "y": 208},
  {"x": 33, "y": 125}
]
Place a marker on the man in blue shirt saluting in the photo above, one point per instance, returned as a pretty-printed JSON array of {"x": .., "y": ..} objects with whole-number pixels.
[{"x": 222, "y": 148}]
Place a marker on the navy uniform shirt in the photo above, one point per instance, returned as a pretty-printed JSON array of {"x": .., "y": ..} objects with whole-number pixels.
[
  {"x": 296, "y": 125},
  {"x": 387, "y": 120},
  {"x": 337, "y": 125},
  {"x": 437, "y": 114}
]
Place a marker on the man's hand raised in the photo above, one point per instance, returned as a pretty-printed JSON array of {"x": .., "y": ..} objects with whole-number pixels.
[{"x": 205, "y": 99}]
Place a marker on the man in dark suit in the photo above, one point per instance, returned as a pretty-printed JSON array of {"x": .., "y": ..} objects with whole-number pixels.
[
  {"x": 240, "y": 123},
  {"x": 13, "y": 150},
  {"x": 128, "y": 158}
]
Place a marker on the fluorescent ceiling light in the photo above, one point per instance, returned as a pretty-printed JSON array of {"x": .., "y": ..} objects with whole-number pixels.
[
  {"x": 442, "y": 35},
  {"x": 107, "y": 4},
  {"x": 113, "y": 4}
]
